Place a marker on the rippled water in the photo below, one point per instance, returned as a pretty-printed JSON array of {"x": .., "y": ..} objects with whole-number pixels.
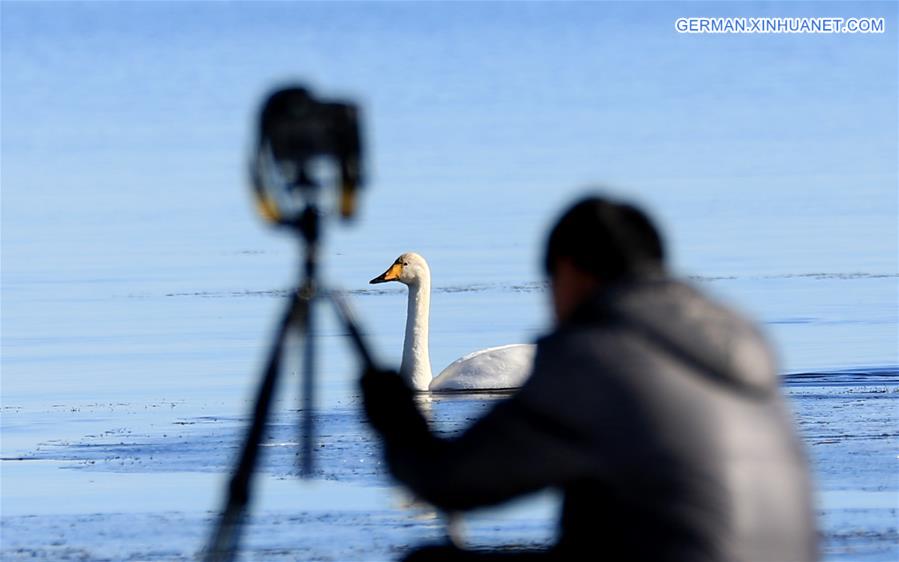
[
  {"x": 158, "y": 465},
  {"x": 849, "y": 421}
]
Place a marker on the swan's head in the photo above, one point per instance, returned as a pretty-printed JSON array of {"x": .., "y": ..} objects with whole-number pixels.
[{"x": 408, "y": 269}]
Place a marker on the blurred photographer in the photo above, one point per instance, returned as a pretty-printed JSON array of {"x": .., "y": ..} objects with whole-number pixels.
[{"x": 654, "y": 409}]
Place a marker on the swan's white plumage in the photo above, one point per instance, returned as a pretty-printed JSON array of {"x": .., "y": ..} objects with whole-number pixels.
[
  {"x": 506, "y": 366},
  {"x": 494, "y": 368}
]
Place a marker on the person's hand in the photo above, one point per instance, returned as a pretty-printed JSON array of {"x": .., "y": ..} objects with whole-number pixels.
[{"x": 388, "y": 401}]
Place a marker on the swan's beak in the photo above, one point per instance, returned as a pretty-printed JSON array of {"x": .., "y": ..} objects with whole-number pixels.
[{"x": 392, "y": 274}]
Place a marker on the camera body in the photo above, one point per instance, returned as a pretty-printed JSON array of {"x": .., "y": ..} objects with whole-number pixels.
[{"x": 295, "y": 132}]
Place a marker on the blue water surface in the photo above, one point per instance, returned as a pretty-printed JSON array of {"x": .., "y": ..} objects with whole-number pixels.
[{"x": 138, "y": 287}]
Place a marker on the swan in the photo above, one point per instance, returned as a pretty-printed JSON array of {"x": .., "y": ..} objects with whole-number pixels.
[{"x": 494, "y": 368}]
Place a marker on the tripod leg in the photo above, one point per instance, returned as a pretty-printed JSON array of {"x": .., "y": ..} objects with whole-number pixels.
[
  {"x": 222, "y": 546},
  {"x": 307, "y": 421}
]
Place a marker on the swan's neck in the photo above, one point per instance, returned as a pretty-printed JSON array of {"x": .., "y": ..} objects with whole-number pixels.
[{"x": 416, "y": 366}]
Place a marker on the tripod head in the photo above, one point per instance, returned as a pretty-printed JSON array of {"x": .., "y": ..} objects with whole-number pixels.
[{"x": 297, "y": 138}]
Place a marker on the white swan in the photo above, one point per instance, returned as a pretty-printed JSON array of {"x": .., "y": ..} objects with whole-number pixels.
[{"x": 494, "y": 368}]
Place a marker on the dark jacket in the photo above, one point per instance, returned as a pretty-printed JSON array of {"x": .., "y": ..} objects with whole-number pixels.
[{"x": 657, "y": 412}]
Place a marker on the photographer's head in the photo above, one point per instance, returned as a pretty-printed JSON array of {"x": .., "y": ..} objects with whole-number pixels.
[{"x": 598, "y": 242}]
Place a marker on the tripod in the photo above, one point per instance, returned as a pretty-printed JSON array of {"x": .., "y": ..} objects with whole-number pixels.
[{"x": 225, "y": 538}]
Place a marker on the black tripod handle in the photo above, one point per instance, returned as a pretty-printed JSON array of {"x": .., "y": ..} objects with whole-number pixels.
[{"x": 345, "y": 313}]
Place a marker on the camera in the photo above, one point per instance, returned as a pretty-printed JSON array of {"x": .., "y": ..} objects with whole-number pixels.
[{"x": 296, "y": 134}]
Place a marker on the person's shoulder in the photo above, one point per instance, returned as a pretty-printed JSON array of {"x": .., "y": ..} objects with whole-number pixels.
[
  {"x": 573, "y": 348},
  {"x": 704, "y": 331},
  {"x": 577, "y": 372},
  {"x": 570, "y": 337}
]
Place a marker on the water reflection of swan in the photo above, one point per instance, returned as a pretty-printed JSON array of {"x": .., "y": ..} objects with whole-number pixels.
[{"x": 494, "y": 368}]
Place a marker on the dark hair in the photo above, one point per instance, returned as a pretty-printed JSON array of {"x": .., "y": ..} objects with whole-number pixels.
[{"x": 607, "y": 239}]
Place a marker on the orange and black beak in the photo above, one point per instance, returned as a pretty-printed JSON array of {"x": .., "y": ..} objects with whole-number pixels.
[{"x": 392, "y": 274}]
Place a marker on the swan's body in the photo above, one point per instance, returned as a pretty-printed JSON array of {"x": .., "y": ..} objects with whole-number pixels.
[
  {"x": 494, "y": 368},
  {"x": 506, "y": 366}
]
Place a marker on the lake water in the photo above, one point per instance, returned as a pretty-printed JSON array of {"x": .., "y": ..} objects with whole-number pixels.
[{"x": 138, "y": 289}]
